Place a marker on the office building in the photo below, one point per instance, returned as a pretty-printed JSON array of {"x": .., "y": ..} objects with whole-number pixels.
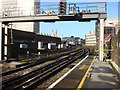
[
  {"x": 110, "y": 27},
  {"x": 16, "y": 8},
  {"x": 0, "y": 8},
  {"x": 90, "y": 39}
]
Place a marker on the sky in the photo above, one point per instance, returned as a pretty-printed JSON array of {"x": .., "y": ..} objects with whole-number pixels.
[{"x": 75, "y": 28}]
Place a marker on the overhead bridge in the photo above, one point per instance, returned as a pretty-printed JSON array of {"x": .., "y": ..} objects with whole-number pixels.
[
  {"x": 71, "y": 12},
  {"x": 63, "y": 11},
  {"x": 54, "y": 17}
]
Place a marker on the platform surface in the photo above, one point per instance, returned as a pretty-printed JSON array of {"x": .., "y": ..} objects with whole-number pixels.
[
  {"x": 102, "y": 76},
  {"x": 73, "y": 79}
]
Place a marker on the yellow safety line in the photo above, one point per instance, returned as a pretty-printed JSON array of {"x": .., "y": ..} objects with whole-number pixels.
[{"x": 83, "y": 79}]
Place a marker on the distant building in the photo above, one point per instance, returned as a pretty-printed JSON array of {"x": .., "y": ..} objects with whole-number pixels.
[
  {"x": 69, "y": 40},
  {"x": 110, "y": 27},
  {"x": 82, "y": 41},
  {"x": 73, "y": 40},
  {"x": 0, "y": 8},
  {"x": 54, "y": 34},
  {"x": 90, "y": 39},
  {"x": 21, "y": 8}
]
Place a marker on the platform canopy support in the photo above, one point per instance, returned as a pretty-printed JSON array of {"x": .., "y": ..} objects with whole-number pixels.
[
  {"x": 101, "y": 40},
  {"x": 6, "y": 42}
]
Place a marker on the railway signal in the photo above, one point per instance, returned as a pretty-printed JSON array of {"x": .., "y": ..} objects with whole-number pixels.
[{"x": 62, "y": 7}]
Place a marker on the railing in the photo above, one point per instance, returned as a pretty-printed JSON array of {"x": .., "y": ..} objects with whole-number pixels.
[
  {"x": 87, "y": 7},
  {"x": 49, "y": 9},
  {"x": 72, "y": 8}
]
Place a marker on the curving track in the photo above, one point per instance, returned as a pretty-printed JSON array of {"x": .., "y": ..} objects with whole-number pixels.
[
  {"x": 36, "y": 63},
  {"x": 31, "y": 79}
]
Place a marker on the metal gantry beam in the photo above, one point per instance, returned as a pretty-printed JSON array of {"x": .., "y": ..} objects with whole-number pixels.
[{"x": 51, "y": 18}]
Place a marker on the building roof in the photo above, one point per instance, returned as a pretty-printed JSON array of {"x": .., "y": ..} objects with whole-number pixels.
[{"x": 112, "y": 22}]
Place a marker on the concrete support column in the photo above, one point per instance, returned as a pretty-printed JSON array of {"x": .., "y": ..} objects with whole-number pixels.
[
  {"x": 49, "y": 45},
  {"x": 0, "y": 41},
  {"x": 59, "y": 46},
  {"x": 101, "y": 40},
  {"x": 40, "y": 45},
  {"x": 6, "y": 42}
]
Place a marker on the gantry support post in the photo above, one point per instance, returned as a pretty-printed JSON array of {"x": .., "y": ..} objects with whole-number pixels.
[
  {"x": 0, "y": 41},
  {"x": 6, "y": 42},
  {"x": 101, "y": 40}
]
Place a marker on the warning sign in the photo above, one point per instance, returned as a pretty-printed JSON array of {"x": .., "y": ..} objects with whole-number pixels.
[{"x": 101, "y": 48}]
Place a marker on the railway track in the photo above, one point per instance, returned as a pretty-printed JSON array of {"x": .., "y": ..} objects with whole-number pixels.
[
  {"x": 47, "y": 53},
  {"x": 35, "y": 63},
  {"x": 31, "y": 79}
]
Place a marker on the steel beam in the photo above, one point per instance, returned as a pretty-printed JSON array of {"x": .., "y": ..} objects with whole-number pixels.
[
  {"x": 51, "y": 18},
  {"x": 101, "y": 40},
  {"x": 0, "y": 41}
]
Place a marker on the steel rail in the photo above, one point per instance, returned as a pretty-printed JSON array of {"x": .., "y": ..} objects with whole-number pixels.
[
  {"x": 35, "y": 83},
  {"x": 33, "y": 64},
  {"x": 32, "y": 82},
  {"x": 41, "y": 69}
]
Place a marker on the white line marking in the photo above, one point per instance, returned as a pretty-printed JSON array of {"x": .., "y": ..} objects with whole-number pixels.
[{"x": 62, "y": 77}]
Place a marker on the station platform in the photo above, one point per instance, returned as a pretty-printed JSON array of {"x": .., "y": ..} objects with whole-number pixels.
[
  {"x": 91, "y": 73},
  {"x": 103, "y": 76}
]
